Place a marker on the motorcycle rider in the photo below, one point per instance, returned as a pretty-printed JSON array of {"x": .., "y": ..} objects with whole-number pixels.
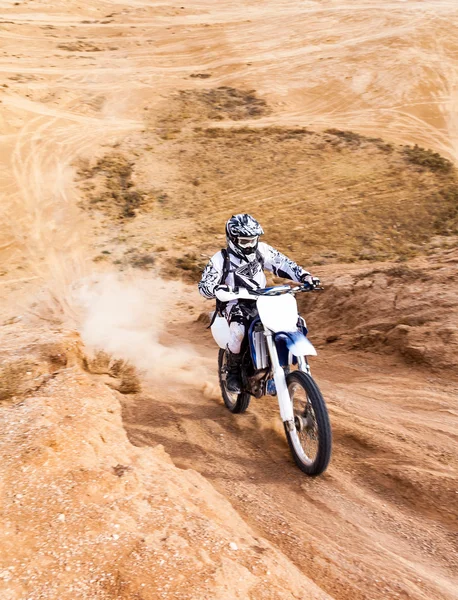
[{"x": 242, "y": 264}]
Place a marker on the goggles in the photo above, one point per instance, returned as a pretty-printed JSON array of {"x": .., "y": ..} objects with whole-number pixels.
[{"x": 247, "y": 242}]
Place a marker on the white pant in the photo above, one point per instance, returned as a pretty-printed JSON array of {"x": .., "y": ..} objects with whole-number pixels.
[{"x": 237, "y": 333}]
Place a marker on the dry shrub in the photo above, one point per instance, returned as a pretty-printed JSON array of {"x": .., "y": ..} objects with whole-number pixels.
[
  {"x": 103, "y": 363},
  {"x": 280, "y": 133},
  {"x": 200, "y": 75},
  {"x": 79, "y": 47},
  {"x": 427, "y": 159},
  {"x": 99, "y": 363},
  {"x": 143, "y": 261},
  {"x": 192, "y": 265},
  {"x": 221, "y": 103},
  {"x": 353, "y": 138},
  {"x": 446, "y": 221},
  {"x": 349, "y": 136},
  {"x": 230, "y": 103},
  {"x": 112, "y": 189},
  {"x": 127, "y": 373}
]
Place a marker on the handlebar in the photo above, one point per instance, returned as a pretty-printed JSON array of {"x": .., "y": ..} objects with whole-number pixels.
[
  {"x": 287, "y": 289},
  {"x": 277, "y": 290}
]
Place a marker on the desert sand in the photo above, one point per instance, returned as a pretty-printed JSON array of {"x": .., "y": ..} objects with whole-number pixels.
[{"x": 130, "y": 131}]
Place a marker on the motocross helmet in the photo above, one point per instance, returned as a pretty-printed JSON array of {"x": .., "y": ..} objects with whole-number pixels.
[{"x": 242, "y": 234}]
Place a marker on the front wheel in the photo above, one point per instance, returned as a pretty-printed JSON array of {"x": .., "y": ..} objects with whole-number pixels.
[
  {"x": 310, "y": 440},
  {"x": 236, "y": 403}
]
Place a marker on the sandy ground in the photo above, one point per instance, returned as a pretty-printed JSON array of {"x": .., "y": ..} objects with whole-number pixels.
[
  {"x": 381, "y": 523},
  {"x": 76, "y": 81}
]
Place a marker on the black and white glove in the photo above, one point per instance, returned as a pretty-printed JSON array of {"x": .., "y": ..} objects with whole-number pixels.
[{"x": 312, "y": 282}]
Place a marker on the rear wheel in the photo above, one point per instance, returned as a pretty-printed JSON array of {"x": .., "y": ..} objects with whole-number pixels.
[
  {"x": 236, "y": 403},
  {"x": 310, "y": 441}
]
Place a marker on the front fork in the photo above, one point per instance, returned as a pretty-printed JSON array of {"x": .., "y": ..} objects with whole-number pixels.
[
  {"x": 303, "y": 364},
  {"x": 284, "y": 400}
]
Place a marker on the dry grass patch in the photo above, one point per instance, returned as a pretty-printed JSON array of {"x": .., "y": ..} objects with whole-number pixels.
[
  {"x": 356, "y": 139},
  {"x": 427, "y": 159},
  {"x": 217, "y": 104},
  {"x": 79, "y": 47},
  {"x": 123, "y": 375},
  {"x": 191, "y": 266},
  {"x": 110, "y": 188},
  {"x": 321, "y": 198},
  {"x": 227, "y": 103},
  {"x": 142, "y": 261}
]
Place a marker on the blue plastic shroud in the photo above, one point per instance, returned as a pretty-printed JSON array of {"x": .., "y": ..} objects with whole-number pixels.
[
  {"x": 251, "y": 338},
  {"x": 280, "y": 341},
  {"x": 271, "y": 388}
]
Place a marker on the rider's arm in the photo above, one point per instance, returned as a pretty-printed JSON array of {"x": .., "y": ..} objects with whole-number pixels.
[
  {"x": 211, "y": 277},
  {"x": 280, "y": 265}
]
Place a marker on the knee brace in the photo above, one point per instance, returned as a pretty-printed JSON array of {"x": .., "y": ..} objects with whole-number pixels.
[{"x": 237, "y": 333}]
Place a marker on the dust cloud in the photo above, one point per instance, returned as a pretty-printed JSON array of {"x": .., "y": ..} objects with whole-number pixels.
[{"x": 126, "y": 317}]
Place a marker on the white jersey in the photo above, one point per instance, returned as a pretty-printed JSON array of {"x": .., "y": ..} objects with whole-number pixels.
[{"x": 248, "y": 274}]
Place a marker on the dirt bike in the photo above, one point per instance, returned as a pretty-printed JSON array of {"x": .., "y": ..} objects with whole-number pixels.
[{"x": 275, "y": 362}]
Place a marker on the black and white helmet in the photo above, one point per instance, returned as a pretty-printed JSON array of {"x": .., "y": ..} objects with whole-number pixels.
[{"x": 242, "y": 233}]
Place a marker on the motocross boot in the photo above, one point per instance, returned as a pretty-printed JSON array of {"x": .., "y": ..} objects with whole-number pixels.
[{"x": 233, "y": 378}]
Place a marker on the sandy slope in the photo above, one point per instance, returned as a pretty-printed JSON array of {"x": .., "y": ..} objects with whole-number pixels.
[
  {"x": 76, "y": 79},
  {"x": 87, "y": 515},
  {"x": 381, "y": 523}
]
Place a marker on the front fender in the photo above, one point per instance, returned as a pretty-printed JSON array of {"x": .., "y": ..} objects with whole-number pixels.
[{"x": 298, "y": 344}]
